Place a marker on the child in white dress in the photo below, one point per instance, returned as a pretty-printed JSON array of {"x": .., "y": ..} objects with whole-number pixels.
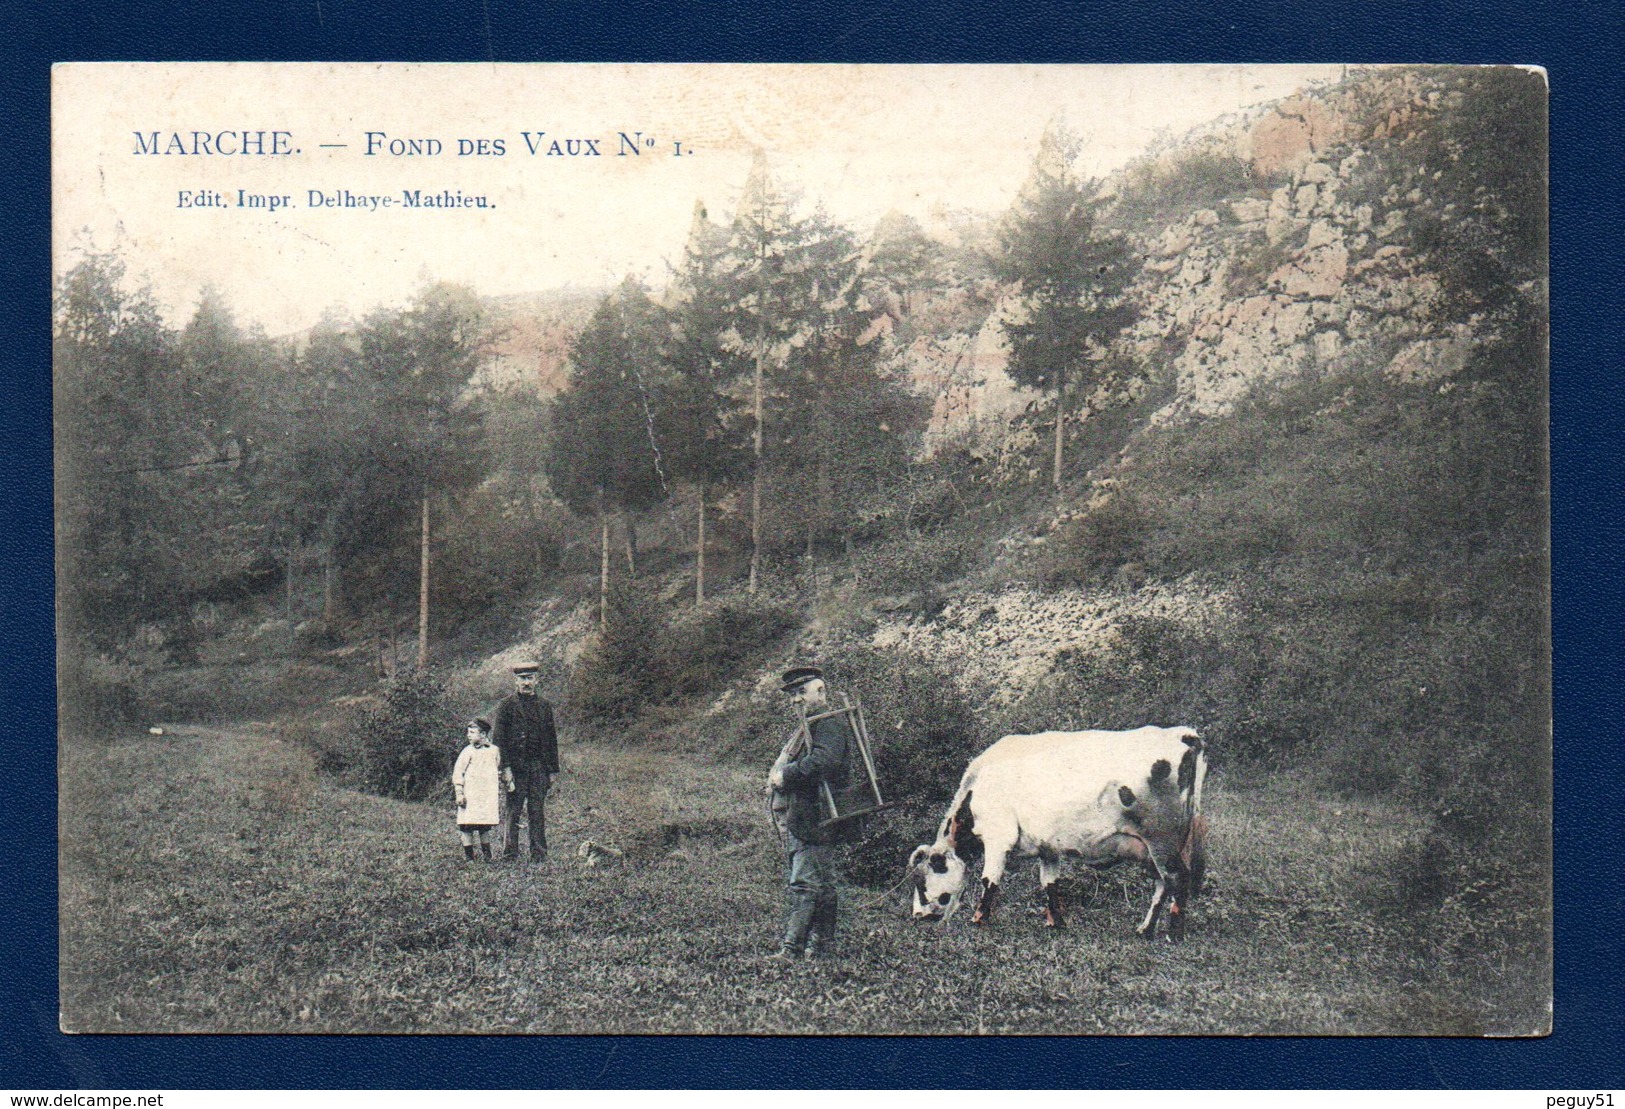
[{"x": 478, "y": 779}]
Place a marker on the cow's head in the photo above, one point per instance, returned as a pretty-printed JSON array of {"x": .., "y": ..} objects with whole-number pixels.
[{"x": 938, "y": 874}]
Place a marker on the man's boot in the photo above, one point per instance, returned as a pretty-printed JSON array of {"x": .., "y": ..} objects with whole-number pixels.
[
  {"x": 797, "y": 924},
  {"x": 485, "y": 849},
  {"x": 468, "y": 852}
]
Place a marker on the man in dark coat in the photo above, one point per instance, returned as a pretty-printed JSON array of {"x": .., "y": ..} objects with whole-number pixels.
[
  {"x": 524, "y": 731},
  {"x": 795, "y": 785}
]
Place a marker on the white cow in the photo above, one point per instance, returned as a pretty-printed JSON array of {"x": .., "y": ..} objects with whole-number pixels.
[{"x": 1102, "y": 797}]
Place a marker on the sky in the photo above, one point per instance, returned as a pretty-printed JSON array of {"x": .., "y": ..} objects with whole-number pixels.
[{"x": 859, "y": 140}]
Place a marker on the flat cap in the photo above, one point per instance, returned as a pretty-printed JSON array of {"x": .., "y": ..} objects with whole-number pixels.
[
  {"x": 798, "y": 676},
  {"x": 527, "y": 668}
]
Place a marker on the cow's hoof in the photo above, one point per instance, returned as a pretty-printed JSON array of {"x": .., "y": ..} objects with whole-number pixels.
[{"x": 979, "y": 920}]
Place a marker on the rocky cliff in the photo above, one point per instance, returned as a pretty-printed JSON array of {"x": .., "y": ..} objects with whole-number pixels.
[
  {"x": 1292, "y": 247},
  {"x": 1297, "y": 257}
]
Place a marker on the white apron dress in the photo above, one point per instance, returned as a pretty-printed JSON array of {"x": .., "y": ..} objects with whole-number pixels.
[{"x": 478, "y": 775}]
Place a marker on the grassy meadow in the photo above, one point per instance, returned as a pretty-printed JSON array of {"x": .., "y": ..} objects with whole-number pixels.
[{"x": 212, "y": 881}]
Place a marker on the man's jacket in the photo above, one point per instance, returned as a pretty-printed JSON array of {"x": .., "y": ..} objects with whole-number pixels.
[
  {"x": 523, "y": 728},
  {"x": 826, "y": 759}
]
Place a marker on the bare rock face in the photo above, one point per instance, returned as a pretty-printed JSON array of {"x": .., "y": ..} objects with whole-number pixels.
[
  {"x": 1249, "y": 210},
  {"x": 1429, "y": 360},
  {"x": 1310, "y": 268},
  {"x": 1327, "y": 345},
  {"x": 1302, "y": 276},
  {"x": 1293, "y": 133},
  {"x": 1317, "y": 173},
  {"x": 1318, "y": 273},
  {"x": 1280, "y": 218}
]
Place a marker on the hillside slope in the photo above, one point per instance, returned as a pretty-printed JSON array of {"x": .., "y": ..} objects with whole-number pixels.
[{"x": 1314, "y": 525}]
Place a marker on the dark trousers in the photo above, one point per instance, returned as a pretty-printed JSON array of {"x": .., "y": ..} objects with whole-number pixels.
[
  {"x": 811, "y": 901},
  {"x": 529, "y": 796}
]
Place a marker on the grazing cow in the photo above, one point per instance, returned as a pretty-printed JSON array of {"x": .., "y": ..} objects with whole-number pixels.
[{"x": 1101, "y": 797}]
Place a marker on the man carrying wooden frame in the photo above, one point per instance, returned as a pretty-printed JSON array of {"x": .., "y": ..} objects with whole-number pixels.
[{"x": 811, "y": 770}]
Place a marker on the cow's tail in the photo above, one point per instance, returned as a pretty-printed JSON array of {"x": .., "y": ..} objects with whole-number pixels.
[{"x": 1193, "y": 850}]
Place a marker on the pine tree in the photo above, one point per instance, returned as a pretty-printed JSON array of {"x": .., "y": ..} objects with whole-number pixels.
[
  {"x": 605, "y": 453},
  {"x": 109, "y": 354},
  {"x": 423, "y": 437},
  {"x": 846, "y": 417},
  {"x": 900, "y": 262},
  {"x": 1073, "y": 280},
  {"x": 771, "y": 299},
  {"x": 325, "y": 443},
  {"x": 705, "y": 440}
]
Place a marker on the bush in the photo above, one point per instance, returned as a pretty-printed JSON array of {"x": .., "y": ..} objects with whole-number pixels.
[
  {"x": 923, "y": 732},
  {"x": 703, "y": 650},
  {"x": 1227, "y": 682},
  {"x": 332, "y": 746},
  {"x": 919, "y": 562},
  {"x": 409, "y": 742},
  {"x": 1156, "y": 191},
  {"x": 619, "y": 672},
  {"x": 1100, "y": 545},
  {"x": 643, "y": 658}
]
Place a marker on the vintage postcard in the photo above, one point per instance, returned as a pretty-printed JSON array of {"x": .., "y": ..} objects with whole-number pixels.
[{"x": 802, "y": 549}]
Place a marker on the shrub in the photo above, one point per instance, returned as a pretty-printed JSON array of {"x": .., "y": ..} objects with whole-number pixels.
[
  {"x": 645, "y": 658},
  {"x": 919, "y": 562},
  {"x": 923, "y": 732},
  {"x": 409, "y": 742},
  {"x": 1097, "y": 546},
  {"x": 703, "y": 650},
  {"x": 1251, "y": 268},
  {"x": 620, "y": 671},
  {"x": 1225, "y": 681},
  {"x": 332, "y": 745},
  {"x": 1157, "y": 190}
]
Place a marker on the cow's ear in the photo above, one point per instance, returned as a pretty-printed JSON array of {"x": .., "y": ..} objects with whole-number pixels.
[{"x": 919, "y": 854}]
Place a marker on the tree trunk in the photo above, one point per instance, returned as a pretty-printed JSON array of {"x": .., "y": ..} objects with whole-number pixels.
[
  {"x": 327, "y": 584},
  {"x": 535, "y": 518},
  {"x": 756, "y": 447},
  {"x": 423, "y": 592},
  {"x": 330, "y": 570},
  {"x": 287, "y": 593},
  {"x": 603, "y": 563},
  {"x": 630, "y": 528},
  {"x": 812, "y": 566},
  {"x": 1060, "y": 427},
  {"x": 699, "y": 556}
]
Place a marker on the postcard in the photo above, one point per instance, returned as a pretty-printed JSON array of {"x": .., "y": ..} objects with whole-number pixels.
[{"x": 802, "y": 549}]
